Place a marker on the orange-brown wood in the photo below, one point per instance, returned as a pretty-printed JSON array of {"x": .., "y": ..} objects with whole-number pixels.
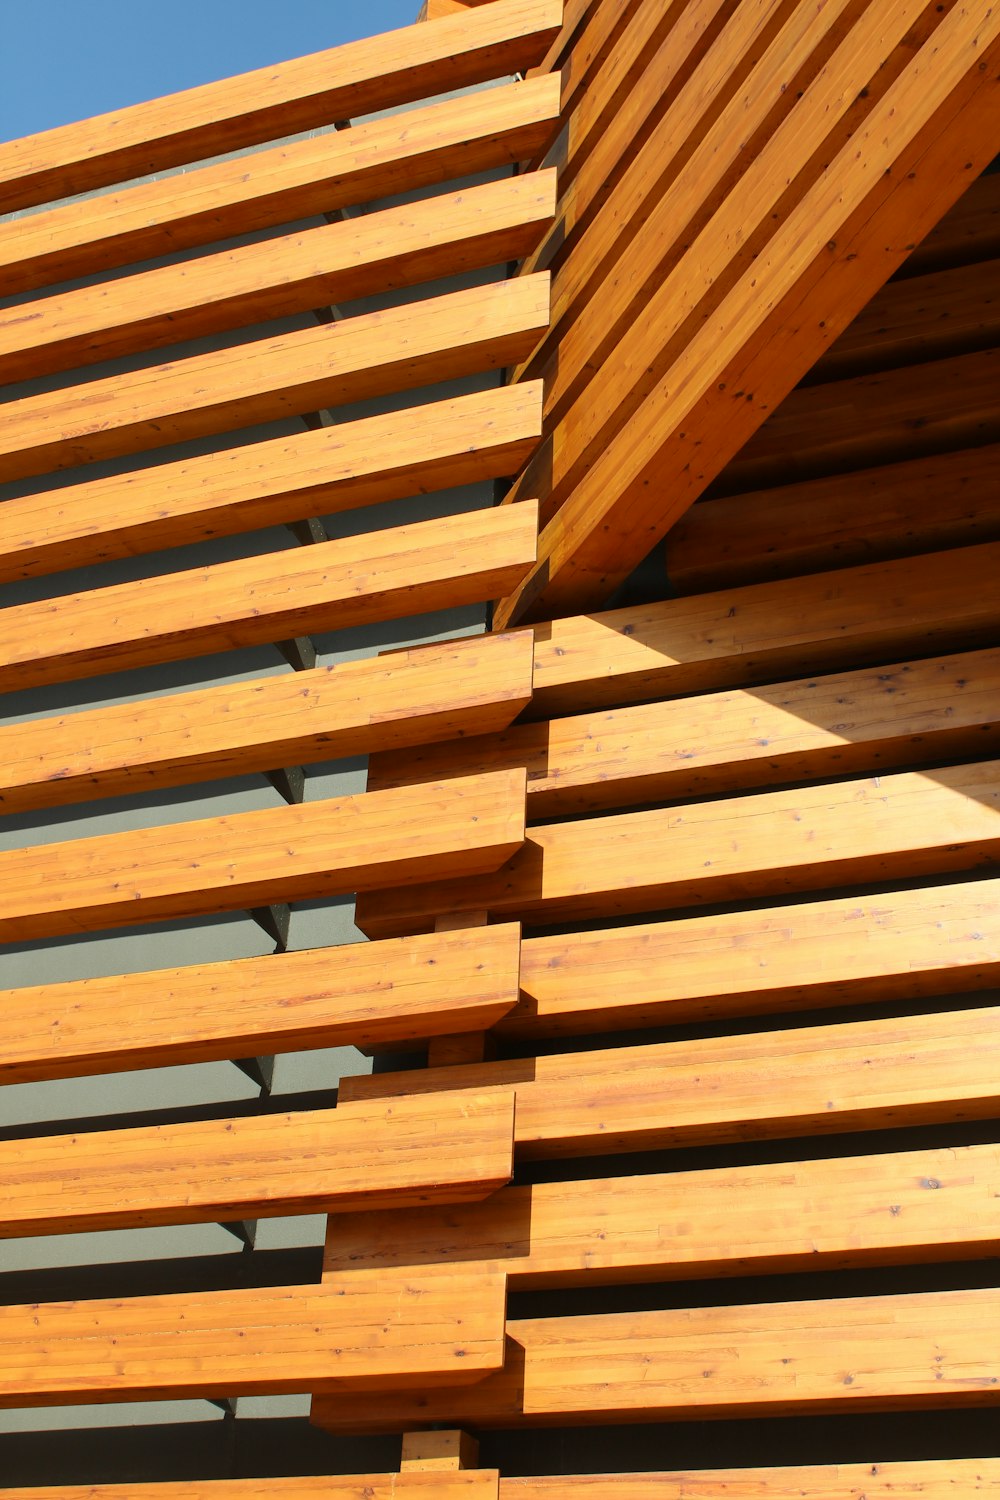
[
  {"x": 968, "y": 232},
  {"x": 946, "y": 500},
  {"x": 898, "y": 945},
  {"x": 859, "y": 1075},
  {"x": 468, "y": 686},
  {"x": 372, "y": 74},
  {"x": 914, "y": 1206},
  {"x": 903, "y": 1352},
  {"x": 391, "y": 248},
  {"x": 881, "y": 828},
  {"x": 931, "y": 1479},
  {"x": 468, "y": 1484},
  {"x": 401, "y": 1155},
  {"x": 365, "y": 1334},
  {"x": 254, "y": 859},
  {"x": 286, "y": 375},
  {"x": 380, "y": 575},
  {"x": 909, "y": 714},
  {"x": 360, "y": 994},
  {"x": 376, "y": 159},
  {"x": 351, "y": 464}
]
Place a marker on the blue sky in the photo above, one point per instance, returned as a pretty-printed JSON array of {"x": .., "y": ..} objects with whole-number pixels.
[{"x": 62, "y": 60}]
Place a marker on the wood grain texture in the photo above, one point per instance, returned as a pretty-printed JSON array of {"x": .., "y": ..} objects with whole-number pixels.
[
  {"x": 470, "y": 686},
  {"x": 894, "y": 510},
  {"x": 467, "y": 1484},
  {"x": 364, "y": 462},
  {"x": 253, "y": 859},
  {"x": 968, "y": 232},
  {"x": 204, "y": 1171},
  {"x": 339, "y": 262},
  {"x": 361, "y": 994},
  {"x": 377, "y": 159},
  {"x": 358, "y": 78},
  {"x": 908, "y": 714},
  {"x": 915, "y": 1352},
  {"x": 879, "y": 829},
  {"x": 878, "y": 613},
  {"x": 947, "y": 1479},
  {"x": 379, "y": 575},
  {"x": 916, "y": 1206},
  {"x": 897, "y": 945},
  {"x": 420, "y": 343},
  {"x": 367, "y": 1334},
  {"x": 818, "y": 1080}
]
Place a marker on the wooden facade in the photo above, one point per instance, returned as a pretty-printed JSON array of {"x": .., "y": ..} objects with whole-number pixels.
[{"x": 506, "y": 515}]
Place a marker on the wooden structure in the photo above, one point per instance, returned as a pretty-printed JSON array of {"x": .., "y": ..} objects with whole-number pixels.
[{"x": 677, "y": 887}]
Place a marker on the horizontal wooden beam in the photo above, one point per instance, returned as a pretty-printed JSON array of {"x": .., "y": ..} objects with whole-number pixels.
[
  {"x": 819, "y": 1080},
  {"x": 470, "y": 686},
  {"x": 420, "y": 343},
  {"x": 786, "y": 1218},
  {"x": 945, "y": 500},
  {"x": 358, "y": 78},
  {"x": 358, "y": 994},
  {"x": 339, "y": 262},
  {"x": 367, "y": 1334},
  {"x": 910, "y": 714},
  {"x": 253, "y": 859},
  {"x": 928, "y": 1479},
  {"x": 882, "y": 828},
  {"x": 351, "y": 464},
  {"x": 897, "y": 945},
  {"x": 411, "y": 1152},
  {"x": 378, "y": 159},
  {"x": 891, "y": 1353},
  {"x": 882, "y": 612},
  {"x": 459, "y": 1484},
  {"x": 380, "y": 575}
]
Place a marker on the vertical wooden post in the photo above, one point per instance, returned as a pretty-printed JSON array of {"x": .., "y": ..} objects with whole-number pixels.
[{"x": 439, "y": 1450}]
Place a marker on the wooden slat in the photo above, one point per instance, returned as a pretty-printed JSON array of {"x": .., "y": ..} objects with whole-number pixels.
[
  {"x": 438, "y": 338},
  {"x": 881, "y": 418},
  {"x": 378, "y": 159},
  {"x": 253, "y": 859},
  {"x": 360, "y": 994},
  {"x": 879, "y": 613},
  {"x": 367, "y": 1334},
  {"x": 822, "y": 1080},
  {"x": 475, "y": 685},
  {"x": 906, "y": 163},
  {"x": 968, "y": 232},
  {"x": 339, "y": 262},
  {"x": 408, "y": 1153},
  {"x": 878, "y": 829},
  {"x": 358, "y": 78},
  {"x": 921, "y": 318},
  {"x": 895, "y": 946},
  {"x": 947, "y": 500},
  {"x": 379, "y": 575},
  {"x": 911, "y": 714},
  {"x": 388, "y": 457},
  {"x": 733, "y": 1221},
  {"x": 930, "y": 1479},
  {"x": 461, "y": 1484},
  {"x": 904, "y": 1352}
]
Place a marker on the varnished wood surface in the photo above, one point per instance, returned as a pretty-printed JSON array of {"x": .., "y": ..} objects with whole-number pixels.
[
  {"x": 339, "y": 262},
  {"x": 376, "y": 159},
  {"x": 790, "y": 1217},
  {"x": 922, "y": 1351},
  {"x": 908, "y": 714},
  {"x": 471, "y": 686},
  {"x": 360, "y": 77},
  {"x": 968, "y": 232},
  {"x": 879, "y": 829},
  {"x": 467, "y": 1484},
  {"x": 253, "y": 859},
  {"x": 366, "y": 1334},
  {"x": 855, "y": 1075},
  {"x": 930, "y": 1479},
  {"x": 351, "y": 464},
  {"x": 275, "y": 596},
  {"x": 893, "y": 945},
  {"x": 408, "y": 1153},
  {"x": 374, "y": 354},
  {"x": 360, "y": 994}
]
